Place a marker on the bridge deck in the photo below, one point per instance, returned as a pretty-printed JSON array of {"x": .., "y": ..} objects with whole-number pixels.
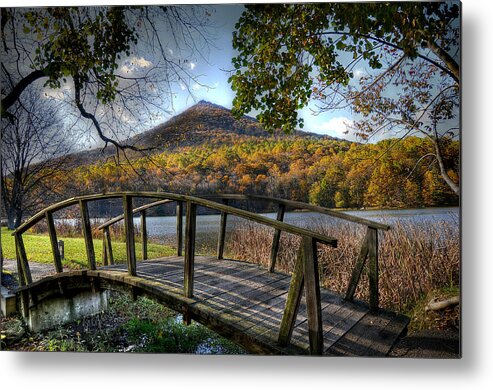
[{"x": 245, "y": 303}]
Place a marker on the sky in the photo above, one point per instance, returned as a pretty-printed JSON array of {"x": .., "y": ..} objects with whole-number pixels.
[
  {"x": 214, "y": 73},
  {"x": 333, "y": 124}
]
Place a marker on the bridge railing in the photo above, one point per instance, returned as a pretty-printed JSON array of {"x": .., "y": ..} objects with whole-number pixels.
[
  {"x": 369, "y": 246},
  {"x": 305, "y": 275}
]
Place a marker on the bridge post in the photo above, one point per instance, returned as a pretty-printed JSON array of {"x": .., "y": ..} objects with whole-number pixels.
[
  {"x": 86, "y": 230},
  {"x": 104, "y": 253},
  {"x": 190, "y": 225},
  {"x": 222, "y": 233},
  {"x": 108, "y": 249},
  {"x": 373, "y": 267},
  {"x": 312, "y": 293},
  {"x": 293, "y": 300},
  {"x": 369, "y": 249},
  {"x": 143, "y": 233},
  {"x": 358, "y": 267},
  {"x": 25, "y": 277},
  {"x": 129, "y": 235},
  {"x": 54, "y": 242},
  {"x": 277, "y": 237},
  {"x": 179, "y": 227},
  {"x": 305, "y": 274}
]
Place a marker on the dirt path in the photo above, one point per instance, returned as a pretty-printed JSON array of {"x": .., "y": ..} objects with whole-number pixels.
[
  {"x": 38, "y": 270},
  {"x": 429, "y": 344}
]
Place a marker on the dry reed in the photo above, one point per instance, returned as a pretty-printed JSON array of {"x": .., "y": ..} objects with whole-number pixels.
[{"x": 414, "y": 258}]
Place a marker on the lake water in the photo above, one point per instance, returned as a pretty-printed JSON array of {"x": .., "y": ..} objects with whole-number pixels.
[{"x": 163, "y": 229}]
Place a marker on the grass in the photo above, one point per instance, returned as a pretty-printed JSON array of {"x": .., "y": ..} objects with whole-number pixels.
[
  {"x": 38, "y": 248},
  {"x": 445, "y": 319}
]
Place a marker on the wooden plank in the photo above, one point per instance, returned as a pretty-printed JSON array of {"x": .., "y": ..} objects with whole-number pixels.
[
  {"x": 387, "y": 337},
  {"x": 373, "y": 267},
  {"x": 358, "y": 267},
  {"x": 87, "y": 233},
  {"x": 255, "y": 300},
  {"x": 211, "y": 284},
  {"x": 222, "y": 233},
  {"x": 108, "y": 246},
  {"x": 358, "y": 339},
  {"x": 190, "y": 227},
  {"x": 293, "y": 300},
  {"x": 337, "y": 319},
  {"x": 312, "y": 293},
  {"x": 104, "y": 253},
  {"x": 179, "y": 228},
  {"x": 143, "y": 232},
  {"x": 54, "y": 242},
  {"x": 129, "y": 235},
  {"x": 210, "y": 281},
  {"x": 276, "y": 239},
  {"x": 25, "y": 277},
  {"x": 248, "y": 291}
]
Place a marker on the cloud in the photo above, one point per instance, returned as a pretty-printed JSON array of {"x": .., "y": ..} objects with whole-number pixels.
[
  {"x": 196, "y": 86},
  {"x": 336, "y": 127},
  {"x": 58, "y": 93},
  {"x": 135, "y": 63},
  {"x": 359, "y": 73},
  {"x": 192, "y": 65}
]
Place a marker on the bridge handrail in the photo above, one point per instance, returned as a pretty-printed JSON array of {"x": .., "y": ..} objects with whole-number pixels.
[
  {"x": 304, "y": 206},
  {"x": 290, "y": 203},
  {"x": 184, "y": 198},
  {"x": 306, "y": 266}
]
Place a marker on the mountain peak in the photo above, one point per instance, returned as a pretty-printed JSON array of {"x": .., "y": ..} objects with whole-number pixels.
[{"x": 207, "y": 104}]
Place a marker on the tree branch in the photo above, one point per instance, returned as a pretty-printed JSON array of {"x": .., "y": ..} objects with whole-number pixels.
[{"x": 16, "y": 92}]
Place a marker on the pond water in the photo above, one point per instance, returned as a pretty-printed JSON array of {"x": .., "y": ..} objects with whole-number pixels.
[{"x": 163, "y": 229}]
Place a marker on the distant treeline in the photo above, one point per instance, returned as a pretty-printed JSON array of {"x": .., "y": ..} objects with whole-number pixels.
[{"x": 330, "y": 173}]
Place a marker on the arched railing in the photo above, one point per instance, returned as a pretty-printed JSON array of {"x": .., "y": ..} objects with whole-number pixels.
[{"x": 305, "y": 275}]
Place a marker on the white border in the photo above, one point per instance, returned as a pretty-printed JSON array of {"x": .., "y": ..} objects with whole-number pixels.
[{"x": 474, "y": 370}]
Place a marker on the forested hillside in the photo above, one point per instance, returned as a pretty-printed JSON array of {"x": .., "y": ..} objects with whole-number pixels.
[
  {"x": 322, "y": 171},
  {"x": 205, "y": 150}
]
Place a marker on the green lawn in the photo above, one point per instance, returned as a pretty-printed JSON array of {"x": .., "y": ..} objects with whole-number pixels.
[{"x": 38, "y": 248}]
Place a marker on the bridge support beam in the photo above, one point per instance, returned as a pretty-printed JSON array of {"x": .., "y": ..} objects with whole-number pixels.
[
  {"x": 222, "y": 233},
  {"x": 304, "y": 275},
  {"x": 277, "y": 238},
  {"x": 129, "y": 235},
  {"x": 190, "y": 225}
]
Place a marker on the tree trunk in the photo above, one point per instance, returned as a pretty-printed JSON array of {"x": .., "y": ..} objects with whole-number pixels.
[
  {"x": 443, "y": 171},
  {"x": 450, "y": 63},
  {"x": 18, "y": 218},
  {"x": 14, "y": 218},
  {"x": 10, "y": 219}
]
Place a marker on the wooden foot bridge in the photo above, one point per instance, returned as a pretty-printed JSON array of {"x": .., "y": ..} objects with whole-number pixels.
[{"x": 263, "y": 310}]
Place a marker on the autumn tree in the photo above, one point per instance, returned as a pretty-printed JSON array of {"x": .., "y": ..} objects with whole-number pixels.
[{"x": 290, "y": 54}]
